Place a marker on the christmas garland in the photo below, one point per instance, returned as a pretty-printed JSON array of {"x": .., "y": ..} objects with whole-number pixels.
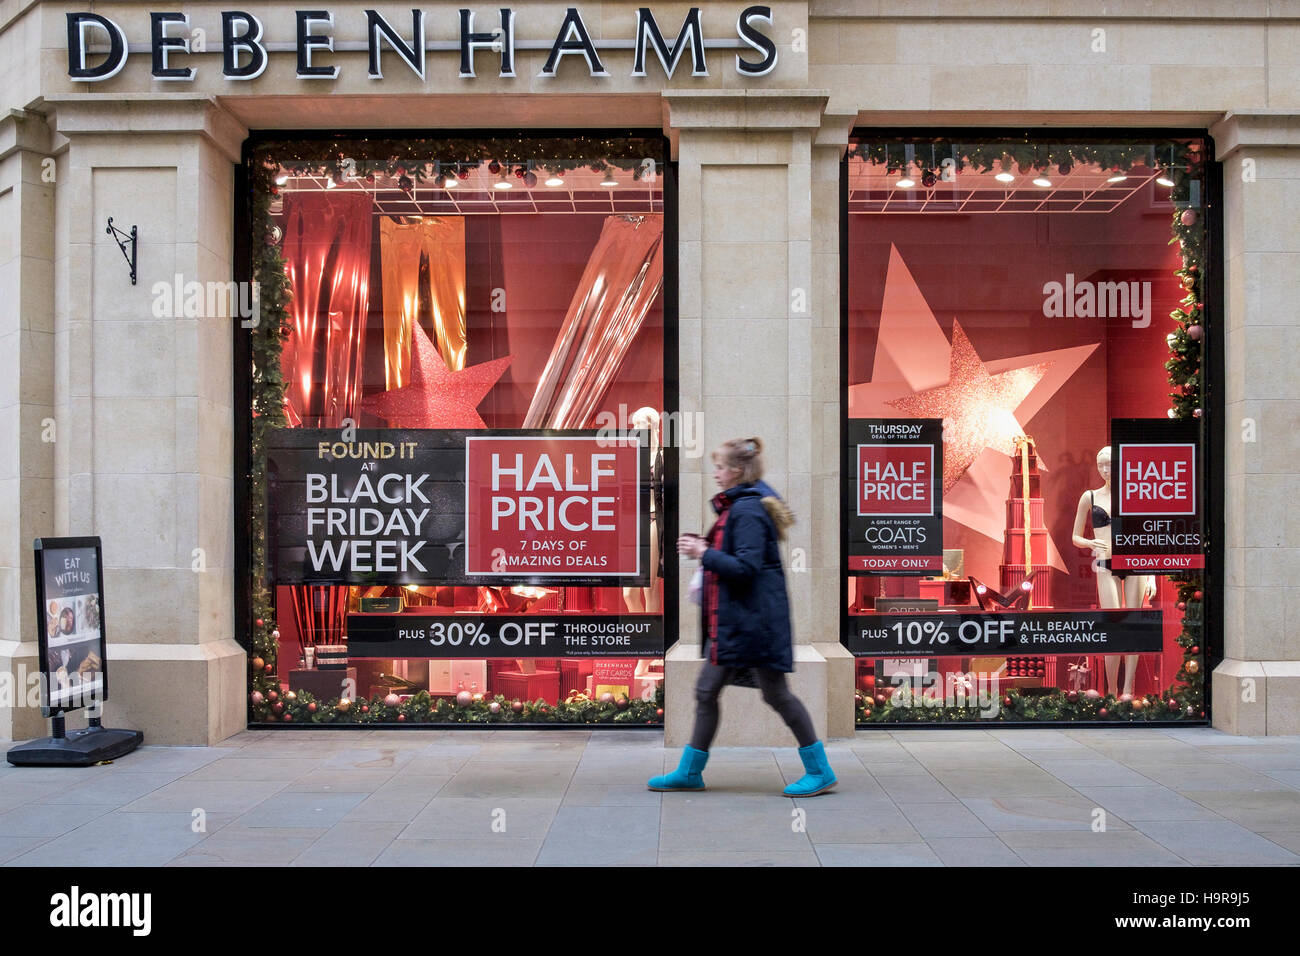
[
  {"x": 418, "y": 160},
  {"x": 1184, "y": 699},
  {"x": 301, "y": 707}
]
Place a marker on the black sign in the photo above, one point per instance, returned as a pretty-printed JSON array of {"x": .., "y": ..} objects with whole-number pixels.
[
  {"x": 1011, "y": 632},
  {"x": 505, "y": 635},
  {"x": 895, "y": 517},
  {"x": 1157, "y": 494},
  {"x": 390, "y": 507},
  {"x": 70, "y": 623}
]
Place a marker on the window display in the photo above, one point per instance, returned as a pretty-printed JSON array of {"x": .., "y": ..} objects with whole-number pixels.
[
  {"x": 1025, "y": 450},
  {"x": 459, "y": 481}
]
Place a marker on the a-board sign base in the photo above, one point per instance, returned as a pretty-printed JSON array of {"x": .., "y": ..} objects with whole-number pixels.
[{"x": 80, "y": 748}]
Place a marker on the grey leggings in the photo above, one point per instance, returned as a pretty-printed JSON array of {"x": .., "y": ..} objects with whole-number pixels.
[{"x": 775, "y": 694}]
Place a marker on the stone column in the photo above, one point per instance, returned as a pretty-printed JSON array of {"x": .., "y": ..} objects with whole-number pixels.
[
  {"x": 28, "y": 175},
  {"x": 750, "y": 301},
  {"x": 143, "y": 403},
  {"x": 1256, "y": 688}
]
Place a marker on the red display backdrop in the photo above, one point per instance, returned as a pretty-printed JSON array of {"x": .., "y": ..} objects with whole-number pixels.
[{"x": 1045, "y": 324}]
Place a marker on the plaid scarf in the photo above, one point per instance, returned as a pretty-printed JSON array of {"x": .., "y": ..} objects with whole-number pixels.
[{"x": 722, "y": 505}]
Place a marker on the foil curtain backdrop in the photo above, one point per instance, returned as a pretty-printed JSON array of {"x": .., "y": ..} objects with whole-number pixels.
[
  {"x": 402, "y": 247},
  {"x": 622, "y": 278},
  {"x": 327, "y": 244}
]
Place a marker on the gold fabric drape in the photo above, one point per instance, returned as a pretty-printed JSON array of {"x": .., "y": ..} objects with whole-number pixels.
[
  {"x": 622, "y": 278},
  {"x": 441, "y": 241}
]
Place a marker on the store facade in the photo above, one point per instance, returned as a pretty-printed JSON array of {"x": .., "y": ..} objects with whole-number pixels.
[{"x": 939, "y": 264}]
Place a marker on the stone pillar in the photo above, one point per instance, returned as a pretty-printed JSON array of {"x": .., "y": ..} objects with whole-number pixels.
[
  {"x": 1256, "y": 688},
  {"x": 28, "y": 174},
  {"x": 143, "y": 403},
  {"x": 750, "y": 305}
]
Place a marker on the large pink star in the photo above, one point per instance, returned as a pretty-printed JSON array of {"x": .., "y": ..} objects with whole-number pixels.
[
  {"x": 436, "y": 396},
  {"x": 913, "y": 356},
  {"x": 978, "y": 409}
]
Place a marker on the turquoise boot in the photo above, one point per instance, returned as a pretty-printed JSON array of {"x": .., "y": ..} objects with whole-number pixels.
[
  {"x": 819, "y": 777},
  {"x": 687, "y": 776}
]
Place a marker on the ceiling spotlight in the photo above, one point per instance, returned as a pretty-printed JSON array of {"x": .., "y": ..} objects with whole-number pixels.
[
  {"x": 1005, "y": 178},
  {"x": 450, "y": 182},
  {"x": 904, "y": 184},
  {"x": 329, "y": 182},
  {"x": 1164, "y": 180},
  {"x": 1117, "y": 178},
  {"x": 503, "y": 184},
  {"x": 1042, "y": 182},
  {"x": 555, "y": 181},
  {"x": 609, "y": 181},
  {"x": 281, "y": 179}
]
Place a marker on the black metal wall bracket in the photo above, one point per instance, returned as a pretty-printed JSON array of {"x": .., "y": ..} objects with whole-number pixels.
[{"x": 123, "y": 240}]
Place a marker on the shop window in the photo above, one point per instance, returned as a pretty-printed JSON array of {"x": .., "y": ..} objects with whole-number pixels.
[
  {"x": 1026, "y": 467},
  {"x": 459, "y": 485}
]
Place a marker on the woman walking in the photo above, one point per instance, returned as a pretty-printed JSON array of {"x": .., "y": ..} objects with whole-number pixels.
[{"x": 745, "y": 616}]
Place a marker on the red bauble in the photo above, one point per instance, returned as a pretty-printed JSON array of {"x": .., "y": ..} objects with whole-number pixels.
[
  {"x": 1103, "y": 712},
  {"x": 278, "y": 707},
  {"x": 401, "y": 718},
  {"x": 1182, "y": 605},
  {"x": 659, "y": 713},
  {"x": 880, "y": 699},
  {"x": 1072, "y": 696},
  {"x": 1194, "y": 332},
  {"x": 272, "y": 695},
  {"x": 494, "y": 167},
  {"x": 1195, "y": 649},
  {"x": 1172, "y": 704},
  {"x": 1188, "y": 218},
  {"x": 288, "y": 718},
  {"x": 1198, "y": 595},
  {"x": 517, "y": 707},
  {"x": 1007, "y": 702},
  {"x": 857, "y": 698},
  {"x": 259, "y": 622},
  {"x": 311, "y": 708},
  {"x": 620, "y": 702},
  {"x": 269, "y": 669},
  {"x": 256, "y": 697},
  {"x": 365, "y": 708},
  {"x": 867, "y": 712}
]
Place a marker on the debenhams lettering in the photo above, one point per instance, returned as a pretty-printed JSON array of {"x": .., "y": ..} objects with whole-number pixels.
[{"x": 245, "y": 49}]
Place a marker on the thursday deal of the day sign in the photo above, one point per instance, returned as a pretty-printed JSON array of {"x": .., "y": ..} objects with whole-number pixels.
[{"x": 423, "y": 506}]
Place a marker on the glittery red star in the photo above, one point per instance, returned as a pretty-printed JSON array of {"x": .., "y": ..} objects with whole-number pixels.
[
  {"x": 436, "y": 396},
  {"x": 978, "y": 409}
]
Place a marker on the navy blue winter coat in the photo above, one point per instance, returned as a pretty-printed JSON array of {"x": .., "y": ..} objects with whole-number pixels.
[{"x": 753, "y": 608}]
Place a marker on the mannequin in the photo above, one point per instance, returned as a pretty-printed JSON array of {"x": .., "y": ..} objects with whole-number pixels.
[
  {"x": 646, "y": 599},
  {"x": 1113, "y": 590}
]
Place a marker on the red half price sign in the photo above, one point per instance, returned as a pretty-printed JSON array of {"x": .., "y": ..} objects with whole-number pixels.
[{"x": 555, "y": 507}]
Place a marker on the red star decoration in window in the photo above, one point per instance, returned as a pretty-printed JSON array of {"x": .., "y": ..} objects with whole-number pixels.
[{"x": 436, "y": 397}]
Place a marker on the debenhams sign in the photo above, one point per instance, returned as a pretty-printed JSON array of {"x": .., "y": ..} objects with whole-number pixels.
[{"x": 245, "y": 49}]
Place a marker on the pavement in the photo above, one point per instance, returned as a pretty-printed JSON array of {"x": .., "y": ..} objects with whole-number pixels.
[{"x": 1097, "y": 797}]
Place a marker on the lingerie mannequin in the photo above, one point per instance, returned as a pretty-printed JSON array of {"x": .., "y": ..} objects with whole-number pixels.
[
  {"x": 647, "y": 599},
  {"x": 1113, "y": 590}
]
